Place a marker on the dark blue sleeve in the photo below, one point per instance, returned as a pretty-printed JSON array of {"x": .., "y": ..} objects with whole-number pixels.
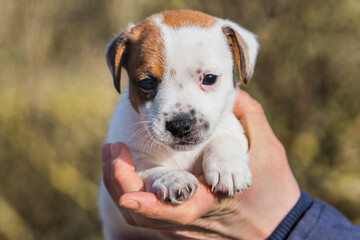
[{"x": 315, "y": 220}]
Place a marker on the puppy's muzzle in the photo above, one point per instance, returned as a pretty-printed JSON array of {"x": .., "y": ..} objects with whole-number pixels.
[{"x": 180, "y": 126}]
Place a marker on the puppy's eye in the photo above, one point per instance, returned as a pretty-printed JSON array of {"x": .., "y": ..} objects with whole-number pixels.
[
  {"x": 209, "y": 79},
  {"x": 148, "y": 85}
]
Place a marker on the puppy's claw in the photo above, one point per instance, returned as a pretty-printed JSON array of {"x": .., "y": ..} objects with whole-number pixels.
[{"x": 164, "y": 196}]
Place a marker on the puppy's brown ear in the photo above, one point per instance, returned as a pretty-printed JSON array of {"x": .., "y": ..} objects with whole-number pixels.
[
  {"x": 114, "y": 56},
  {"x": 244, "y": 47}
]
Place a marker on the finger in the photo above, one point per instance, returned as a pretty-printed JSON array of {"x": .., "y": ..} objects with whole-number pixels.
[
  {"x": 252, "y": 117},
  {"x": 149, "y": 205},
  {"x": 123, "y": 170},
  {"x": 107, "y": 173},
  {"x": 118, "y": 171}
]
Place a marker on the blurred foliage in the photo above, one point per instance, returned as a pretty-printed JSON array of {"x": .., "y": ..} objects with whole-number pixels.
[{"x": 56, "y": 98}]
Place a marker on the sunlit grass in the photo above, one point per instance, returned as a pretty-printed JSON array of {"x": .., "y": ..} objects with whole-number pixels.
[{"x": 12, "y": 225}]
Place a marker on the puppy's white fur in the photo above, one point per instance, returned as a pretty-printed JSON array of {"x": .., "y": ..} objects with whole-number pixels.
[{"x": 220, "y": 151}]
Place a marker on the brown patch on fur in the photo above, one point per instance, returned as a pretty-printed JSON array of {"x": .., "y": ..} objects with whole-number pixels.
[
  {"x": 114, "y": 54},
  {"x": 117, "y": 67},
  {"x": 182, "y": 18},
  {"x": 144, "y": 58},
  {"x": 240, "y": 53},
  {"x": 140, "y": 50}
]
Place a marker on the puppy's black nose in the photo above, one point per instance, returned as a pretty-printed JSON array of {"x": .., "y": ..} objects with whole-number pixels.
[{"x": 180, "y": 126}]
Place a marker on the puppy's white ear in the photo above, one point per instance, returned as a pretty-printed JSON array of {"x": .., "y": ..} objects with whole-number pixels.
[
  {"x": 244, "y": 47},
  {"x": 114, "y": 55}
]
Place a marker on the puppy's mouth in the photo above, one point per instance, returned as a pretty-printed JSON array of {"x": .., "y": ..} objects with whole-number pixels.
[
  {"x": 182, "y": 132},
  {"x": 184, "y": 145}
]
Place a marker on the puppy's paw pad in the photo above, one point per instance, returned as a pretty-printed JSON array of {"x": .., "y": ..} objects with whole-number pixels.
[{"x": 175, "y": 186}]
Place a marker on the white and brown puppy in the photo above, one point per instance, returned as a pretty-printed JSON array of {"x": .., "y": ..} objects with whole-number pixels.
[{"x": 176, "y": 115}]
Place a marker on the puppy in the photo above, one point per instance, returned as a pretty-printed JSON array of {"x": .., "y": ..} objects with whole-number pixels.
[{"x": 176, "y": 115}]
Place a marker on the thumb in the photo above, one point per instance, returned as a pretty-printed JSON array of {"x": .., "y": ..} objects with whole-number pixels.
[
  {"x": 119, "y": 171},
  {"x": 149, "y": 205}
]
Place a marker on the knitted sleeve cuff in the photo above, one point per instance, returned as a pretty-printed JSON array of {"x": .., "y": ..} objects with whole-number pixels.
[{"x": 289, "y": 222}]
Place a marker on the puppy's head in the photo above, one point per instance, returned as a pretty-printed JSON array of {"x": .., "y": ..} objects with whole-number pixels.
[{"x": 182, "y": 67}]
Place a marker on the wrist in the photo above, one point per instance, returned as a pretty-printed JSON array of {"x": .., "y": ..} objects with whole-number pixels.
[{"x": 263, "y": 213}]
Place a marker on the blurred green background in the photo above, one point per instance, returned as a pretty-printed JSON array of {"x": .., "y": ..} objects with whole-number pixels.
[{"x": 57, "y": 97}]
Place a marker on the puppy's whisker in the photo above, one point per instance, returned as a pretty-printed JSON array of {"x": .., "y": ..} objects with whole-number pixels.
[
  {"x": 149, "y": 115},
  {"x": 141, "y": 130},
  {"x": 149, "y": 144},
  {"x": 140, "y": 122},
  {"x": 144, "y": 143},
  {"x": 153, "y": 141},
  {"x": 148, "y": 141},
  {"x": 141, "y": 143}
]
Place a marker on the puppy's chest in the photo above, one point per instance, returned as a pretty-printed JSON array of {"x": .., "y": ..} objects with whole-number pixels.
[{"x": 190, "y": 161}]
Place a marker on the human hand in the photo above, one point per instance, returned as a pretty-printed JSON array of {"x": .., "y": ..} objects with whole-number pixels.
[
  {"x": 255, "y": 213},
  {"x": 144, "y": 209}
]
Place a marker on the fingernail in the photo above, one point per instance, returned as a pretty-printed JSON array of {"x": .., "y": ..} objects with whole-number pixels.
[
  {"x": 115, "y": 150},
  {"x": 130, "y": 204}
]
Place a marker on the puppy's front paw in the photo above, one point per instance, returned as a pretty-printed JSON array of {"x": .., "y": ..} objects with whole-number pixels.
[
  {"x": 227, "y": 176},
  {"x": 175, "y": 186}
]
